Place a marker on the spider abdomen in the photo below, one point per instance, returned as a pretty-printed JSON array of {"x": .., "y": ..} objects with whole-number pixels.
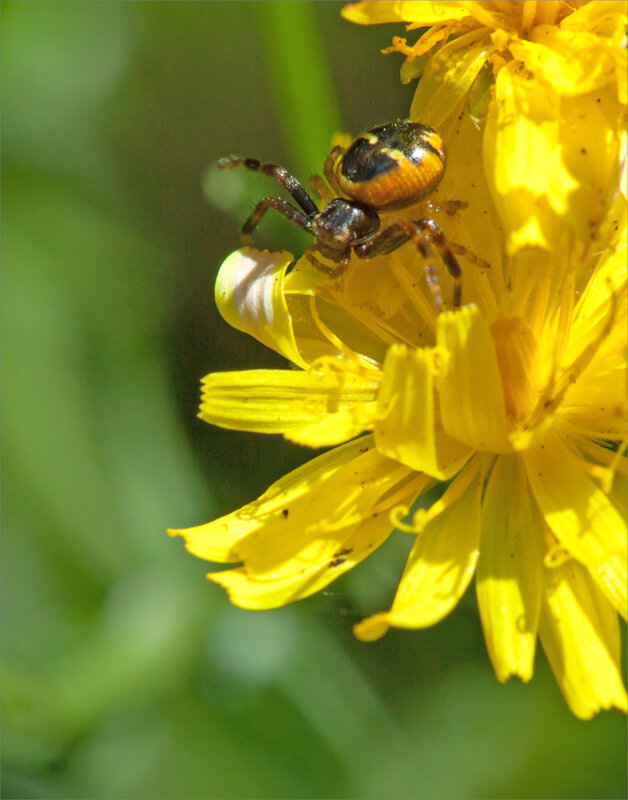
[{"x": 393, "y": 165}]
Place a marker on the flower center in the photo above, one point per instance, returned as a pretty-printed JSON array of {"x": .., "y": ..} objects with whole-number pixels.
[{"x": 517, "y": 356}]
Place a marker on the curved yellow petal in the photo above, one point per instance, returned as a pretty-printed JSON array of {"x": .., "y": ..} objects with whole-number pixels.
[
  {"x": 590, "y": 136},
  {"x": 417, "y": 54},
  {"x": 283, "y": 401},
  {"x": 476, "y": 226},
  {"x": 377, "y": 12},
  {"x": 440, "y": 565},
  {"x": 347, "y": 316},
  {"x": 405, "y": 427},
  {"x": 308, "y": 528},
  {"x": 595, "y": 402},
  {"x": 604, "y": 295},
  {"x": 335, "y": 428},
  {"x": 522, "y": 156},
  {"x": 573, "y": 63},
  {"x": 580, "y": 635},
  {"x": 222, "y": 540},
  {"x": 469, "y": 385},
  {"x": 580, "y": 515},
  {"x": 448, "y": 76},
  {"x": 618, "y": 494},
  {"x": 249, "y": 297},
  {"x": 509, "y": 575},
  {"x": 608, "y": 21},
  {"x": 490, "y": 14},
  {"x": 315, "y": 568},
  {"x": 622, "y": 77},
  {"x": 306, "y": 524},
  {"x": 595, "y": 406},
  {"x": 606, "y": 17}
]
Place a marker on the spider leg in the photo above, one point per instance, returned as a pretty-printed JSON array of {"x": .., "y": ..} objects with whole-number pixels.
[
  {"x": 329, "y": 168},
  {"x": 461, "y": 250},
  {"x": 431, "y": 275},
  {"x": 451, "y": 207},
  {"x": 333, "y": 272},
  {"x": 279, "y": 173},
  {"x": 423, "y": 232},
  {"x": 449, "y": 259},
  {"x": 288, "y": 211}
]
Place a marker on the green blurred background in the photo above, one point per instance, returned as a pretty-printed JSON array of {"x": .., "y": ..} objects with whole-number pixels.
[{"x": 125, "y": 674}]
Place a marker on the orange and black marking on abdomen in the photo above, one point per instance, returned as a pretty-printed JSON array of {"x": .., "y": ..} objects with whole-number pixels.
[{"x": 392, "y": 166}]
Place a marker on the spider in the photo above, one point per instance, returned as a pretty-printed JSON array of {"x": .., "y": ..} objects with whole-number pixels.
[{"x": 390, "y": 167}]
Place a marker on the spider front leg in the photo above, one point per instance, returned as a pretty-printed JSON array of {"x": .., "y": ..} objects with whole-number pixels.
[
  {"x": 275, "y": 171},
  {"x": 424, "y": 233},
  {"x": 333, "y": 272},
  {"x": 288, "y": 211}
]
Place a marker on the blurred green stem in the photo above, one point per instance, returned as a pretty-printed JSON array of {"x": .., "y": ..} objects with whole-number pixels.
[{"x": 301, "y": 80}]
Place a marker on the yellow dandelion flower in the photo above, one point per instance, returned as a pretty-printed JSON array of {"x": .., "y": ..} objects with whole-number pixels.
[
  {"x": 515, "y": 402},
  {"x": 521, "y": 401}
]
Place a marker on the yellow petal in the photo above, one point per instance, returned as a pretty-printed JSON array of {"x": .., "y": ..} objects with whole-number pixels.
[
  {"x": 469, "y": 383},
  {"x": 517, "y": 355},
  {"x": 529, "y": 182},
  {"x": 622, "y": 80},
  {"x": 309, "y": 527},
  {"x": 318, "y": 521},
  {"x": 441, "y": 563},
  {"x": 335, "y": 428},
  {"x": 619, "y": 490},
  {"x": 510, "y": 570},
  {"x": 476, "y": 226},
  {"x": 417, "y": 54},
  {"x": 605, "y": 17},
  {"x": 580, "y": 635},
  {"x": 604, "y": 294},
  {"x": 405, "y": 429},
  {"x": 222, "y": 539},
  {"x": 580, "y": 515},
  {"x": 591, "y": 127},
  {"x": 488, "y": 14},
  {"x": 347, "y": 316},
  {"x": 607, "y": 20},
  {"x": 282, "y": 401},
  {"x": 249, "y": 297},
  {"x": 314, "y": 569},
  {"x": 594, "y": 404},
  {"x": 376, "y": 12},
  {"x": 572, "y": 63},
  {"x": 448, "y": 76}
]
